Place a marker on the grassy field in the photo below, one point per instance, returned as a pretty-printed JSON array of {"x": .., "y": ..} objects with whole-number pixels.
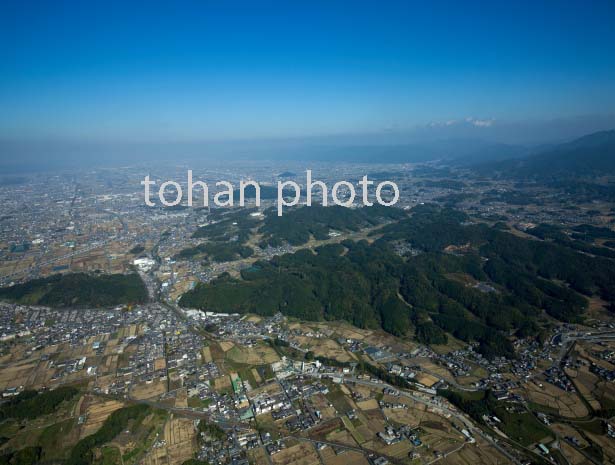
[
  {"x": 338, "y": 399},
  {"x": 351, "y": 428},
  {"x": 522, "y": 427}
]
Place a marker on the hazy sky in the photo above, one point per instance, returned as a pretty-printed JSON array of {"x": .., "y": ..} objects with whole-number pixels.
[{"x": 227, "y": 69}]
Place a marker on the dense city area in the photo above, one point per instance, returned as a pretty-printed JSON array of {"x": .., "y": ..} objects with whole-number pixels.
[{"x": 122, "y": 343}]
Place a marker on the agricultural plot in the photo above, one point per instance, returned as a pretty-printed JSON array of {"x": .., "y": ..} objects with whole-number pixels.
[
  {"x": 324, "y": 347},
  {"x": 258, "y": 456},
  {"x": 96, "y": 411},
  {"x": 206, "y": 354},
  {"x": 299, "y": 454},
  {"x": 586, "y": 383},
  {"x": 179, "y": 443},
  {"x": 321, "y": 403},
  {"x": 369, "y": 404},
  {"x": 149, "y": 391},
  {"x": 17, "y": 375},
  {"x": 222, "y": 383},
  {"x": 258, "y": 355},
  {"x": 566, "y": 404},
  {"x": 472, "y": 454},
  {"x": 346, "y": 457}
]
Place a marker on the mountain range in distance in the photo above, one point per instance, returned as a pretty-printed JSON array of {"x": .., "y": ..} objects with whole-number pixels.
[{"x": 590, "y": 155}]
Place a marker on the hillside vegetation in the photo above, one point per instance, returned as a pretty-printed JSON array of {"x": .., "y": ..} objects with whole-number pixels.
[
  {"x": 370, "y": 285},
  {"x": 78, "y": 290}
]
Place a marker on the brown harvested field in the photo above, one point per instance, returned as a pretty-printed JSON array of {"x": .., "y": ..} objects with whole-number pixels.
[
  {"x": 324, "y": 347},
  {"x": 299, "y": 454},
  {"x": 226, "y": 345},
  {"x": 374, "y": 420},
  {"x": 586, "y": 383},
  {"x": 321, "y": 403},
  {"x": 431, "y": 367},
  {"x": 573, "y": 456},
  {"x": 399, "y": 450},
  {"x": 160, "y": 363},
  {"x": 451, "y": 345},
  {"x": 606, "y": 444},
  {"x": 369, "y": 404},
  {"x": 565, "y": 430},
  {"x": 270, "y": 388},
  {"x": 321, "y": 431},
  {"x": 257, "y": 355},
  {"x": 207, "y": 358},
  {"x": 222, "y": 383},
  {"x": 96, "y": 411},
  {"x": 16, "y": 375},
  {"x": 179, "y": 435},
  {"x": 148, "y": 391},
  {"x": 597, "y": 309},
  {"x": 410, "y": 417},
  {"x": 473, "y": 454},
  {"x": 258, "y": 456},
  {"x": 426, "y": 379},
  {"x": 349, "y": 332},
  {"x": 439, "y": 435},
  {"x": 110, "y": 364},
  {"x": 348, "y": 457},
  {"x": 181, "y": 398},
  {"x": 566, "y": 403},
  {"x": 256, "y": 376},
  {"x": 342, "y": 436}
]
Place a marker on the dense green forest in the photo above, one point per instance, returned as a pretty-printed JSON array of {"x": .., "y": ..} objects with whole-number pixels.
[
  {"x": 78, "y": 290},
  {"x": 31, "y": 404},
  {"x": 216, "y": 251},
  {"x": 429, "y": 294},
  {"x": 226, "y": 234},
  {"x": 27, "y": 456},
  {"x": 297, "y": 225},
  {"x": 228, "y": 231},
  {"x": 226, "y": 224}
]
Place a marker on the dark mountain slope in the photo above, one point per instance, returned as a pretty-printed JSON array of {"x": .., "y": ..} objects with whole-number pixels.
[{"x": 588, "y": 156}]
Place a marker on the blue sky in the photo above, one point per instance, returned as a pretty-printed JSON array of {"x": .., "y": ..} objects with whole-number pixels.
[{"x": 231, "y": 70}]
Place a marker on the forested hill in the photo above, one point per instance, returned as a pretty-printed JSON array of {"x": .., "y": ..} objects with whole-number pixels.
[
  {"x": 591, "y": 155},
  {"x": 477, "y": 282},
  {"x": 299, "y": 224},
  {"x": 78, "y": 290}
]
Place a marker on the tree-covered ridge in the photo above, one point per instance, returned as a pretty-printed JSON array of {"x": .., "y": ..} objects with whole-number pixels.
[
  {"x": 84, "y": 451},
  {"x": 225, "y": 225},
  {"x": 297, "y": 225},
  {"x": 32, "y": 404},
  {"x": 581, "y": 238},
  {"x": 226, "y": 235},
  {"x": 369, "y": 285},
  {"x": 78, "y": 290},
  {"x": 228, "y": 231},
  {"x": 216, "y": 251}
]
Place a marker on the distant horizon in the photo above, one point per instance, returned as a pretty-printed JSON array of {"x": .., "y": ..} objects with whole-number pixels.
[{"x": 451, "y": 140}]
